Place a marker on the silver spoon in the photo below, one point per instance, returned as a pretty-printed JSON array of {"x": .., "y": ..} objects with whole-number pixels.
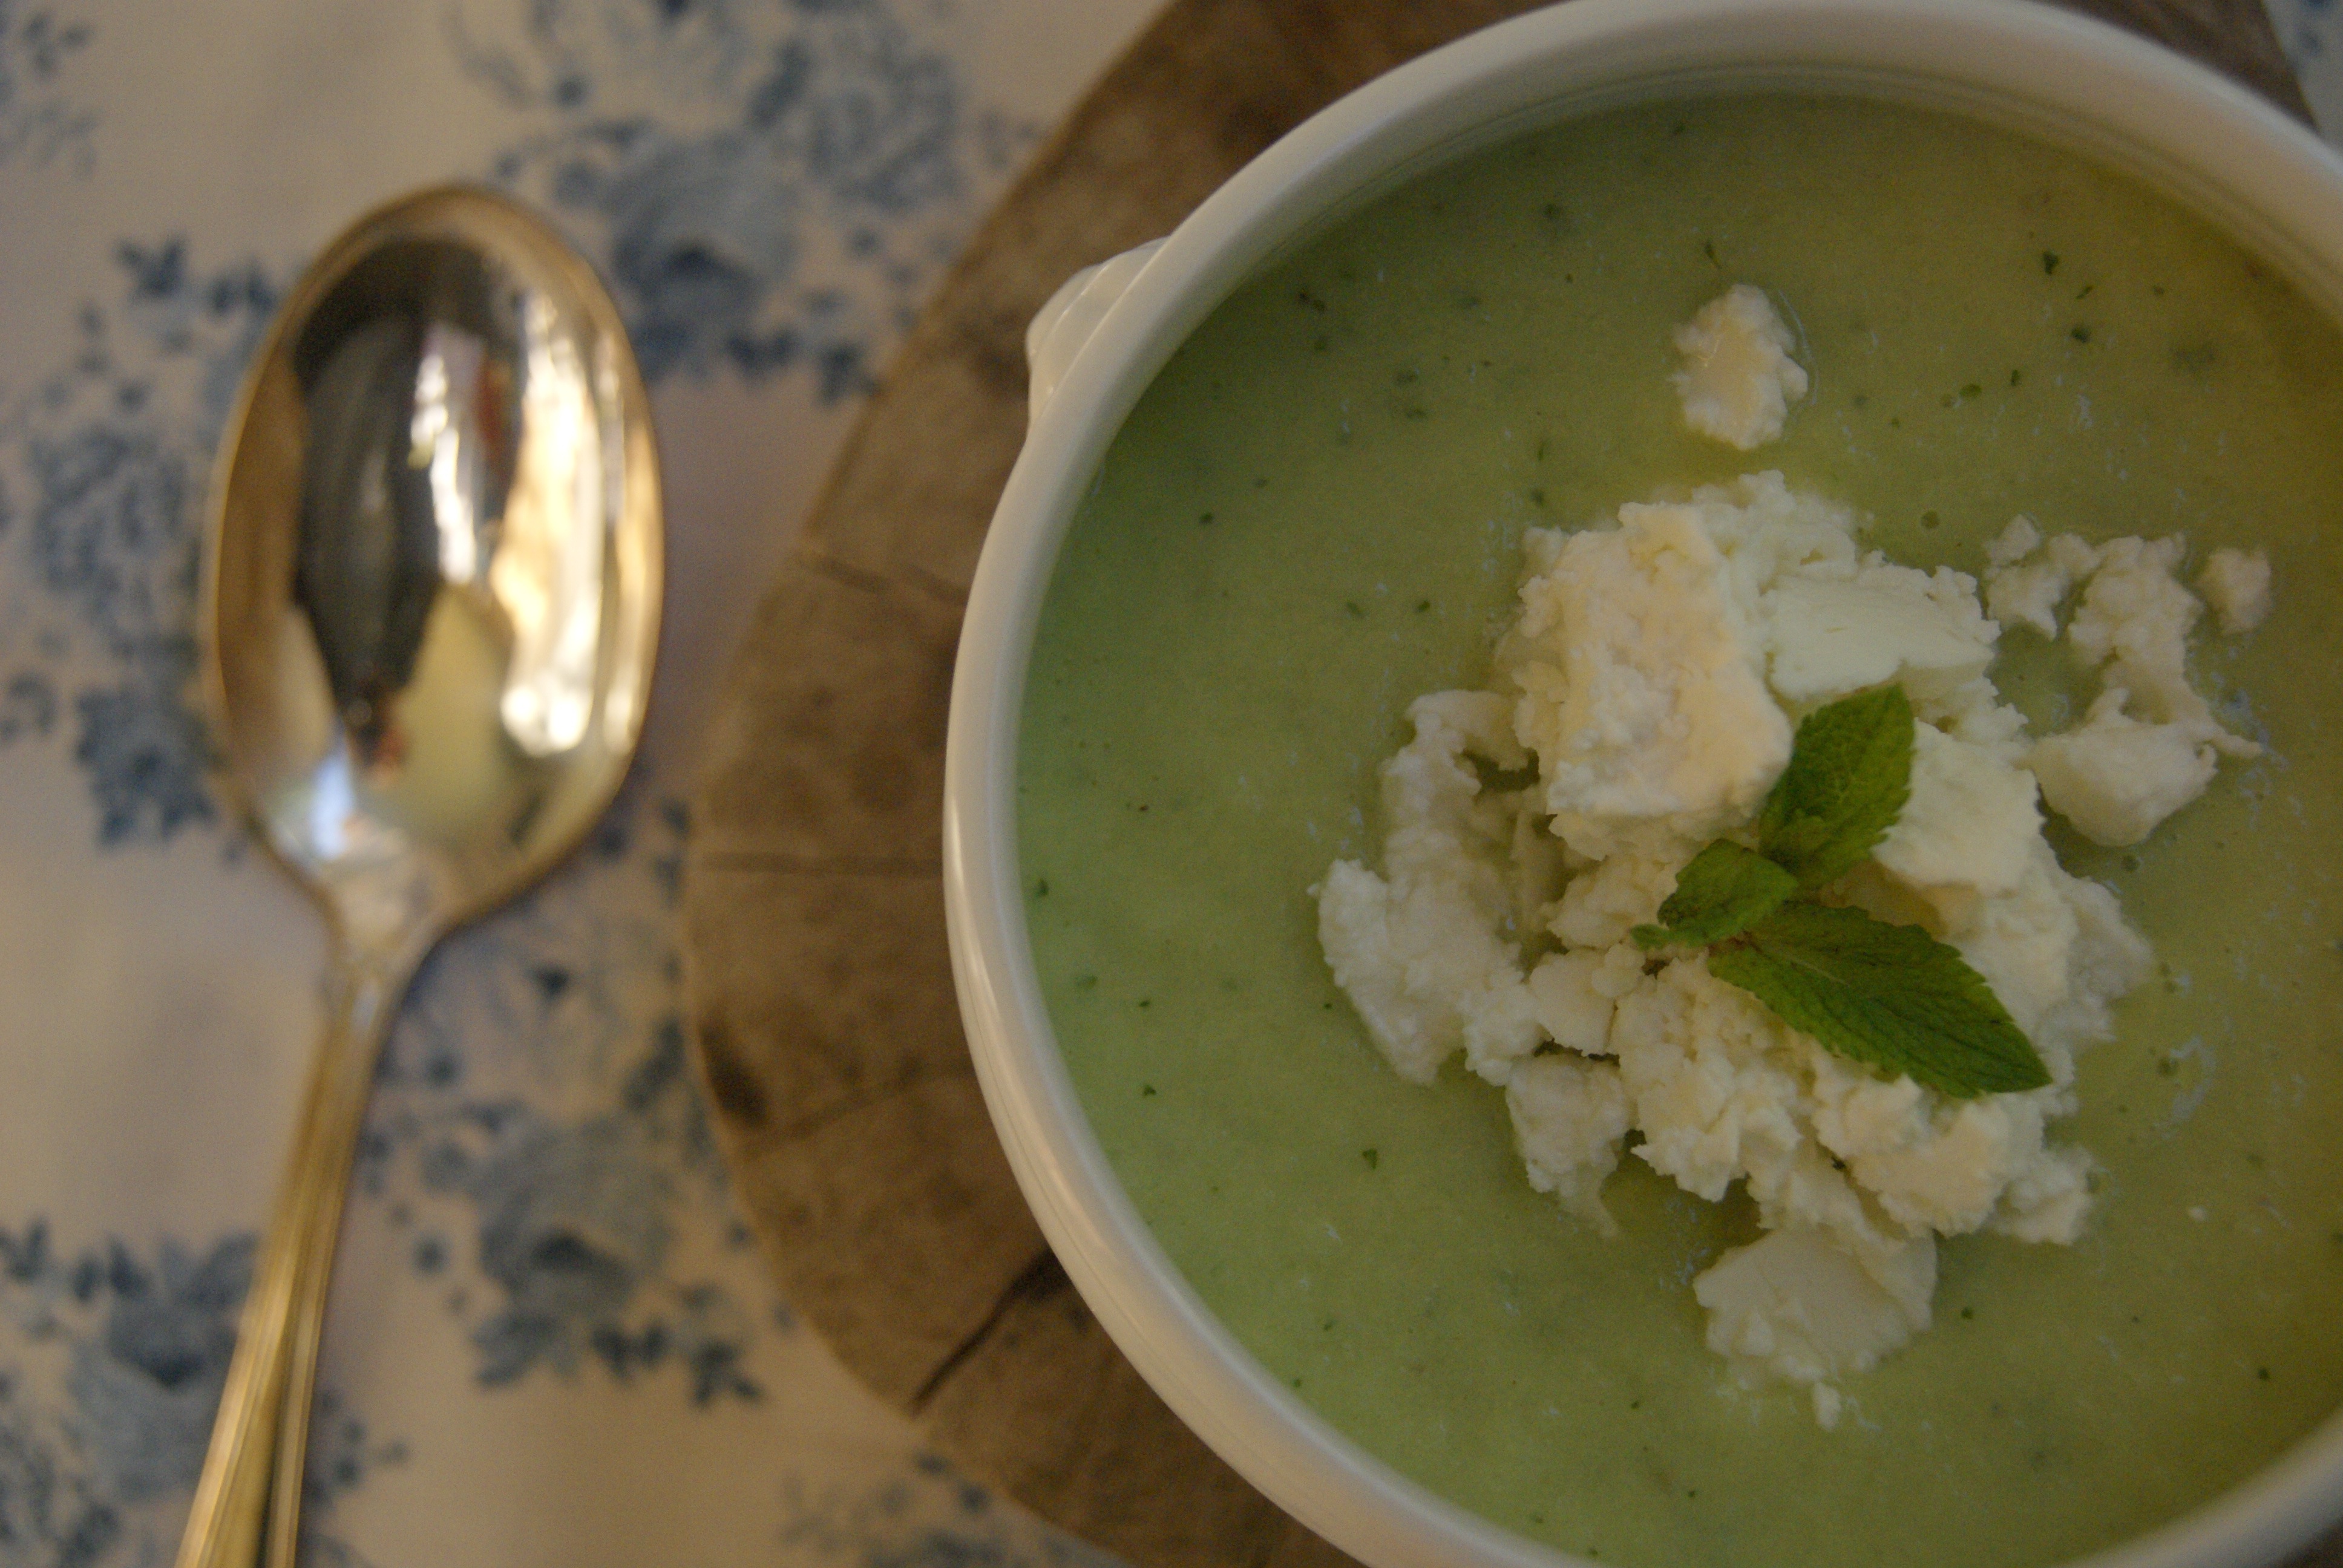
[{"x": 430, "y": 609}]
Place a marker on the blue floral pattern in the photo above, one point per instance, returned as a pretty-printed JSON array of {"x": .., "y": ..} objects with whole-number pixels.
[
  {"x": 40, "y": 123},
  {"x": 106, "y": 1406},
  {"x": 822, "y": 180},
  {"x": 562, "y": 1235},
  {"x": 102, "y": 473}
]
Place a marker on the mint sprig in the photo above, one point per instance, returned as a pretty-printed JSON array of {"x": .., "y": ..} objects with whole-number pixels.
[
  {"x": 1850, "y": 774},
  {"x": 1891, "y": 997},
  {"x": 1721, "y": 893}
]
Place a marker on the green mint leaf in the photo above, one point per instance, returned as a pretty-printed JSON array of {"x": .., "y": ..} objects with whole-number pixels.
[
  {"x": 1723, "y": 891},
  {"x": 1891, "y": 997},
  {"x": 1850, "y": 773}
]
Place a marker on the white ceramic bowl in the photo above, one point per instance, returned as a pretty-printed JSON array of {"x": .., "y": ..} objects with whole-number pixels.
[{"x": 2202, "y": 140}]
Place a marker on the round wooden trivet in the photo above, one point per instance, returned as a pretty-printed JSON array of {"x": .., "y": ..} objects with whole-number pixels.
[{"x": 819, "y": 992}]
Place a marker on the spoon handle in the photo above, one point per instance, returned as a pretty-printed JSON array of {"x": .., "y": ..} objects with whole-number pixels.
[{"x": 248, "y": 1499}]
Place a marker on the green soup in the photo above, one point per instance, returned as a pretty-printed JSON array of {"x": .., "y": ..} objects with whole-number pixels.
[{"x": 1314, "y": 516}]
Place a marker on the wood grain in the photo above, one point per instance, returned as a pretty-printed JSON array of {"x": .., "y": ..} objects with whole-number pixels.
[{"x": 820, "y": 992}]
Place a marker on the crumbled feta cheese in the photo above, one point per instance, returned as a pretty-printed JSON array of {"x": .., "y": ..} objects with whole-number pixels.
[
  {"x": 1652, "y": 677},
  {"x": 1422, "y": 949},
  {"x": 2029, "y": 593},
  {"x": 2236, "y": 584},
  {"x": 2019, "y": 941},
  {"x": 1974, "y": 713},
  {"x": 2115, "y": 777},
  {"x": 2049, "y": 1201},
  {"x": 1970, "y": 821},
  {"x": 1830, "y": 637},
  {"x": 1715, "y": 1078},
  {"x": 2107, "y": 960},
  {"x": 1568, "y": 1006},
  {"x": 2074, "y": 555},
  {"x": 2054, "y": 949},
  {"x": 1570, "y": 1117},
  {"x": 1951, "y": 1167},
  {"x": 1621, "y": 971},
  {"x": 1803, "y": 1308},
  {"x": 1829, "y": 1405},
  {"x": 2135, "y": 618},
  {"x": 1766, "y": 530},
  {"x": 2134, "y": 622},
  {"x": 2013, "y": 543},
  {"x": 1640, "y": 690},
  {"x": 2148, "y": 744},
  {"x": 1738, "y": 378},
  {"x": 1602, "y": 904}
]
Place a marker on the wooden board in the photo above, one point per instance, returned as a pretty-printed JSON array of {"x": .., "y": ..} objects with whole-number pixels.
[{"x": 820, "y": 992}]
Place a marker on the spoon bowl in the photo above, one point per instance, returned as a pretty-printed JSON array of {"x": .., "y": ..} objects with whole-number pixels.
[
  {"x": 429, "y": 613},
  {"x": 433, "y": 601}
]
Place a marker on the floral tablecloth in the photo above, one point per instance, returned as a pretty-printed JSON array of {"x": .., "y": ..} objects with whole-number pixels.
[{"x": 551, "y": 1340}]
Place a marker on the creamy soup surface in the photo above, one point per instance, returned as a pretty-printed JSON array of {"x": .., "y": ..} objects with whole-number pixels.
[{"x": 1314, "y": 516}]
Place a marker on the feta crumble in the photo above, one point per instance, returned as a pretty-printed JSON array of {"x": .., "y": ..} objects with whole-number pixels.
[
  {"x": 1645, "y": 697},
  {"x": 2115, "y": 777},
  {"x": 2150, "y": 743},
  {"x": 2236, "y": 584},
  {"x": 1638, "y": 690},
  {"x": 1738, "y": 378},
  {"x": 2030, "y": 593}
]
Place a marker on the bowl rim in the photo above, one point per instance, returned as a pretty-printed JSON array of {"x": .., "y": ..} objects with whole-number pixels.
[{"x": 2212, "y": 145}]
